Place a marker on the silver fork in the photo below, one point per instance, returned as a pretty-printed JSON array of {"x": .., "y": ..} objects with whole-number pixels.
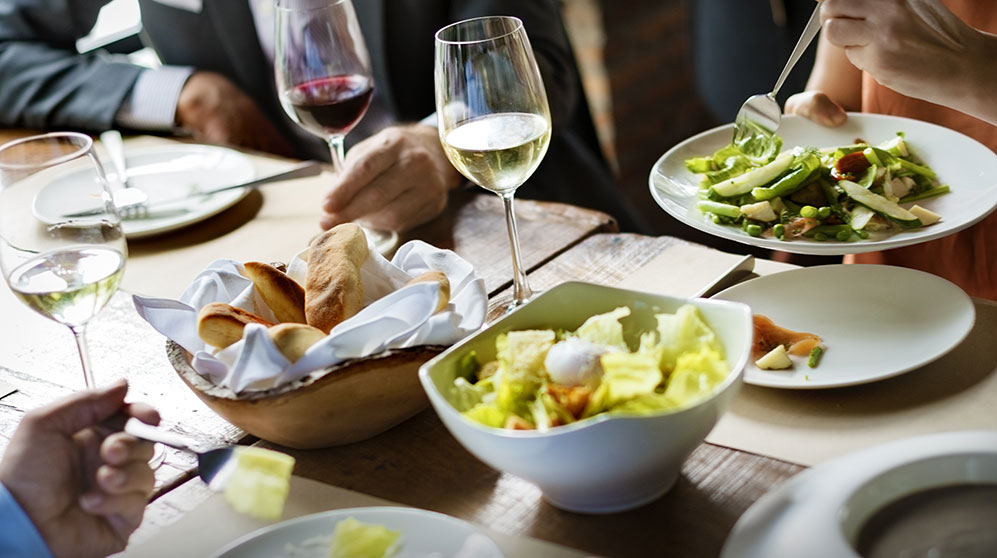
[
  {"x": 116, "y": 150},
  {"x": 209, "y": 463},
  {"x": 760, "y": 115}
]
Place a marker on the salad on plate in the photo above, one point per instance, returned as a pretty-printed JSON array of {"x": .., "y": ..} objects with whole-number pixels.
[
  {"x": 542, "y": 378},
  {"x": 842, "y": 193}
]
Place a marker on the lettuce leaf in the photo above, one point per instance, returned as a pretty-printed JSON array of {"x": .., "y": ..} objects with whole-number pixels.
[
  {"x": 605, "y": 329},
  {"x": 681, "y": 332},
  {"x": 625, "y": 376}
]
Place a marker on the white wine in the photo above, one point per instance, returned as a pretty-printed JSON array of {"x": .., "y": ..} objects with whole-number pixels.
[
  {"x": 499, "y": 151},
  {"x": 69, "y": 286}
]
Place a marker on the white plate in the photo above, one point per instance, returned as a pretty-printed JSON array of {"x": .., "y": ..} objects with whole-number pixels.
[
  {"x": 966, "y": 165},
  {"x": 423, "y": 534},
  {"x": 821, "y": 510},
  {"x": 165, "y": 173},
  {"x": 876, "y": 321}
]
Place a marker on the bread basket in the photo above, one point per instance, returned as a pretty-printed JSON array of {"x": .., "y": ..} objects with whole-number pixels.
[{"x": 341, "y": 404}]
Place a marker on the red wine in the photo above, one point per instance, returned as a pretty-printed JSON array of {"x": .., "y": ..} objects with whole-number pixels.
[{"x": 330, "y": 105}]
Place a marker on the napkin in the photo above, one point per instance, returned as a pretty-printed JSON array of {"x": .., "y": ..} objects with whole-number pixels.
[{"x": 394, "y": 316}]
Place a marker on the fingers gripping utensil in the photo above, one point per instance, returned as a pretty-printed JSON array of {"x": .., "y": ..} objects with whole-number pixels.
[
  {"x": 760, "y": 115},
  {"x": 209, "y": 463}
]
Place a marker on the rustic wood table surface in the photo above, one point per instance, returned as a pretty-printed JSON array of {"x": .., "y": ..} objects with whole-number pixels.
[{"x": 416, "y": 463}]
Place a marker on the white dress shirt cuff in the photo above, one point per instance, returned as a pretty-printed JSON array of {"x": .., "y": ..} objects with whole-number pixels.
[{"x": 152, "y": 103}]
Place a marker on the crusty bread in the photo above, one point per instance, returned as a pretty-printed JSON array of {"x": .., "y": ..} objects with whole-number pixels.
[
  {"x": 294, "y": 339},
  {"x": 333, "y": 289},
  {"x": 284, "y": 296},
  {"x": 441, "y": 278},
  {"x": 220, "y": 324}
]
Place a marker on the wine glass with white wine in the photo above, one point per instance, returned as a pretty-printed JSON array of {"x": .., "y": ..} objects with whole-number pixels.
[
  {"x": 493, "y": 116},
  {"x": 64, "y": 268}
]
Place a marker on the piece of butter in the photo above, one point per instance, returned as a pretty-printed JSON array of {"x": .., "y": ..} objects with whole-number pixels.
[
  {"x": 776, "y": 359},
  {"x": 355, "y": 539},
  {"x": 259, "y": 483}
]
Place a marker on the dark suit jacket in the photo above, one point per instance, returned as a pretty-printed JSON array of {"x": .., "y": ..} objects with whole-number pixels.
[{"x": 44, "y": 84}]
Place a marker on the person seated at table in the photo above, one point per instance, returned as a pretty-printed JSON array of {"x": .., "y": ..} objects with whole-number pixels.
[
  {"x": 217, "y": 84},
  {"x": 67, "y": 488},
  {"x": 923, "y": 59}
]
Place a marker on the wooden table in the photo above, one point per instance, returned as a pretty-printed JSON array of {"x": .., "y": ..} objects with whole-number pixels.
[{"x": 417, "y": 463}]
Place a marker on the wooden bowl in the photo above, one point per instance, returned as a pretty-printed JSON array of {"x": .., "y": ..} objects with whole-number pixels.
[{"x": 346, "y": 403}]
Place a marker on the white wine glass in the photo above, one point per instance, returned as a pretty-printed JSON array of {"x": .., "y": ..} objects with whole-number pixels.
[
  {"x": 322, "y": 68},
  {"x": 493, "y": 116},
  {"x": 64, "y": 268}
]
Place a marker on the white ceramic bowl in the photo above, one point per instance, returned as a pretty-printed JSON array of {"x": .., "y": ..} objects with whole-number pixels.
[{"x": 607, "y": 463}]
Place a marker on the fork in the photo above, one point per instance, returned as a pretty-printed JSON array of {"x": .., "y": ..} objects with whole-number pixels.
[
  {"x": 116, "y": 150},
  {"x": 209, "y": 463},
  {"x": 760, "y": 115}
]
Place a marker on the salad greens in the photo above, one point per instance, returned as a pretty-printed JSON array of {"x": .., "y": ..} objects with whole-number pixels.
[
  {"x": 839, "y": 193},
  {"x": 541, "y": 379}
]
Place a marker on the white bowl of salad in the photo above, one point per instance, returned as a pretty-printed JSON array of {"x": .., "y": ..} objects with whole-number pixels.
[{"x": 595, "y": 394}]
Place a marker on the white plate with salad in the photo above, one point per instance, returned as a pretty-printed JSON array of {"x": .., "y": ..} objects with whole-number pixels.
[
  {"x": 875, "y": 321},
  {"x": 391, "y": 532},
  {"x": 802, "y": 200}
]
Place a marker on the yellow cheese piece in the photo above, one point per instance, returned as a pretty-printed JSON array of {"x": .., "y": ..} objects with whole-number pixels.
[
  {"x": 259, "y": 483},
  {"x": 355, "y": 539}
]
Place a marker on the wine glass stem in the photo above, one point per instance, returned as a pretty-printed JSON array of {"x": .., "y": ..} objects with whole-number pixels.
[
  {"x": 338, "y": 151},
  {"x": 79, "y": 332},
  {"x": 521, "y": 291}
]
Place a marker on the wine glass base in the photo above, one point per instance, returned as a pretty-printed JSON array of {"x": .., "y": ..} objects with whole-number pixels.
[
  {"x": 158, "y": 456},
  {"x": 502, "y": 305}
]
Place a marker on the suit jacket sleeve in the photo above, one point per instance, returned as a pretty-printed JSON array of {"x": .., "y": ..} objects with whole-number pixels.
[
  {"x": 44, "y": 82},
  {"x": 542, "y": 21}
]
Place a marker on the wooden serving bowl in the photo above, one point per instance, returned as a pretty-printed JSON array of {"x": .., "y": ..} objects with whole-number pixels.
[{"x": 346, "y": 403}]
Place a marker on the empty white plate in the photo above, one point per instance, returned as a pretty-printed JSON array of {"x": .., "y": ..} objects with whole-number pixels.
[
  {"x": 164, "y": 173},
  {"x": 943, "y": 485},
  {"x": 876, "y": 321},
  {"x": 424, "y": 534}
]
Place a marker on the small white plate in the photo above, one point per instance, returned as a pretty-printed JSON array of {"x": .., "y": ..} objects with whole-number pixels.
[
  {"x": 822, "y": 510},
  {"x": 966, "y": 165},
  {"x": 165, "y": 173},
  {"x": 424, "y": 534},
  {"x": 876, "y": 321}
]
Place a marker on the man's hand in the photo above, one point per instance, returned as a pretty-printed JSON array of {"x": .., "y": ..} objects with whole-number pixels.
[
  {"x": 818, "y": 107},
  {"x": 917, "y": 48},
  {"x": 84, "y": 492},
  {"x": 216, "y": 111},
  {"x": 394, "y": 180}
]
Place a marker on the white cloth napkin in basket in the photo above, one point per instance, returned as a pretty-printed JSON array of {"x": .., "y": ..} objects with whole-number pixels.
[{"x": 394, "y": 316}]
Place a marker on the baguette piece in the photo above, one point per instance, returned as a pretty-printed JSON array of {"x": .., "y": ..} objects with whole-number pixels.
[
  {"x": 284, "y": 296},
  {"x": 294, "y": 339},
  {"x": 220, "y": 324},
  {"x": 333, "y": 289},
  {"x": 439, "y": 277}
]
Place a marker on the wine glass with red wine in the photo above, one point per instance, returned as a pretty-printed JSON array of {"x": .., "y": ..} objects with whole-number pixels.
[{"x": 322, "y": 68}]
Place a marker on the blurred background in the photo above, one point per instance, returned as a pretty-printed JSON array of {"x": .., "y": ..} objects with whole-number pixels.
[{"x": 655, "y": 72}]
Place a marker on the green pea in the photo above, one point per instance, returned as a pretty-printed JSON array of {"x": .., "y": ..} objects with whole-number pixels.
[
  {"x": 779, "y": 231},
  {"x": 753, "y": 230},
  {"x": 808, "y": 211},
  {"x": 862, "y": 234},
  {"x": 820, "y": 236},
  {"x": 824, "y": 212},
  {"x": 843, "y": 235}
]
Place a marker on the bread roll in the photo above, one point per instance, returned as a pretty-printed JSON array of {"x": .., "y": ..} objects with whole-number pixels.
[
  {"x": 333, "y": 289},
  {"x": 220, "y": 324},
  {"x": 439, "y": 277},
  {"x": 284, "y": 296},
  {"x": 294, "y": 339}
]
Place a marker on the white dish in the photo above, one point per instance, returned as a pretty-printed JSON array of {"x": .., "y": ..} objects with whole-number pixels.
[
  {"x": 165, "y": 173},
  {"x": 969, "y": 167},
  {"x": 822, "y": 510},
  {"x": 876, "y": 321},
  {"x": 423, "y": 534}
]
